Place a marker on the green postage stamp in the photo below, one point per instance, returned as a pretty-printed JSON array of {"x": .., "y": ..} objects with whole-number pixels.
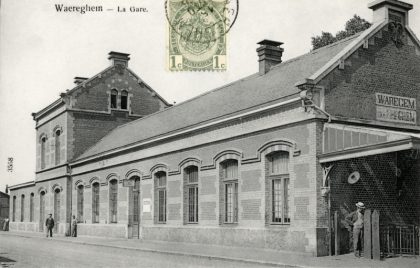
[{"x": 197, "y": 33}]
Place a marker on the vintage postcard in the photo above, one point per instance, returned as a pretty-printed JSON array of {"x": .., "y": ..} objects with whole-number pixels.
[{"x": 209, "y": 133}]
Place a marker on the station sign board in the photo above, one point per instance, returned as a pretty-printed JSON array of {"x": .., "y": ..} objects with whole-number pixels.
[{"x": 397, "y": 109}]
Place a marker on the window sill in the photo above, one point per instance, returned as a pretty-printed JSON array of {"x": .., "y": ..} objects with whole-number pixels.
[
  {"x": 278, "y": 225},
  {"x": 229, "y": 224},
  {"x": 119, "y": 109}
]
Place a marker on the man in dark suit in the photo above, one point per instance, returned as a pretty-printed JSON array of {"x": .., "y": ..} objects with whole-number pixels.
[
  {"x": 356, "y": 220},
  {"x": 74, "y": 226},
  {"x": 50, "y": 225}
]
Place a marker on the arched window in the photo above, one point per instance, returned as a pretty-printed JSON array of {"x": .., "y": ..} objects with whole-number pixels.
[
  {"x": 124, "y": 100},
  {"x": 57, "y": 146},
  {"x": 31, "y": 207},
  {"x": 22, "y": 208},
  {"x": 14, "y": 209},
  {"x": 229, "y": 191},
  {"x": 136, "y": 194},
  {"x": 114, "y": 94},
  {"x": 95, "y": 202},
  {"x": 277, "y": 181},
  {"x": 191, "y": 194},
  {"x": 57, "y": 204},
  {"x": 113, "y": 200},
  {"x": 43, "y": 147},
  {"x": 41, "y": 211},
  {"x": 160, "y": 196},
  {"x": 80, "y": 201}
]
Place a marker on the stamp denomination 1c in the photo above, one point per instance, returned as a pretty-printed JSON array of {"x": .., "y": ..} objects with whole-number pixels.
[{"x": 197, "y": 33}]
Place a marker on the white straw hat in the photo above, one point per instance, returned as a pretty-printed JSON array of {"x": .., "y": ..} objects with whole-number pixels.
[{"x": 360, "y": 205}]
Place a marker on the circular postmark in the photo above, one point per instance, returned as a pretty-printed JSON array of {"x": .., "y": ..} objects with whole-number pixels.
[
  {"x": 196, "y": 20},
  {"x": 197, "y": 31}
]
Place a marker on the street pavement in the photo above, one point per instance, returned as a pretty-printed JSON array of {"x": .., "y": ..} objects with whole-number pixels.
[
  {"x": 34, "y": 250},
  {"x": 17, "y": 251}
]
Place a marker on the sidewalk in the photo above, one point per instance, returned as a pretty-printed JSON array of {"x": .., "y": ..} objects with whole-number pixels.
[{"x": 244, "y": 255}]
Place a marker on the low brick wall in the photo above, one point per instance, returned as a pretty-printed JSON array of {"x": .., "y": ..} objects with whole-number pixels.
[
  {"x": 23, "y": 226},
  {"x": 271, "y": 238},
  {"x": 103, "y": 230}
]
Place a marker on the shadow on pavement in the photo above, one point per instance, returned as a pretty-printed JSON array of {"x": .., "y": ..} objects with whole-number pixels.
[{"x": 4, "y": 259}]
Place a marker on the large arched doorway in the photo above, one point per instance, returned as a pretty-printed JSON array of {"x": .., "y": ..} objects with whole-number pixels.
[{"x": 135, "y": 204}]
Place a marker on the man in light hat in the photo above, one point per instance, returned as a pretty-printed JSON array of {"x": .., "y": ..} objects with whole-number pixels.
[
  {"x": 356, "y": 219},
  {"x": 50, "y": 225}
]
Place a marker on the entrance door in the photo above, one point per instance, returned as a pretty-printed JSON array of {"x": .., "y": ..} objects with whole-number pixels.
[
  {"x": 41, "y": 211},
  {"x": 136, "y": 208}
]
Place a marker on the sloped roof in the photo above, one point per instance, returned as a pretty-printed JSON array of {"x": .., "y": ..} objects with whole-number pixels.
[{"x": 253, "y": 91}]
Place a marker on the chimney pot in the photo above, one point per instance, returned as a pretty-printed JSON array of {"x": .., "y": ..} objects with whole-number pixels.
[
  {"x": 269, "y": 54},
  {"x": 390, "y": 10},
  {"x": 118, "y": 58}
]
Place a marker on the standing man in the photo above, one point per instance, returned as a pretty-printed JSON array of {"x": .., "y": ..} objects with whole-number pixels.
[
  {"x": 356, "y": 219},
  {"x": 74, "y": 226},
  {"x": 50, "y": 225},
  {"x": 6, "y": 224}
]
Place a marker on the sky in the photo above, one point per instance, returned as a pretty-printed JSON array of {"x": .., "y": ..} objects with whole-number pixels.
[{"x": 41, "y": 51}]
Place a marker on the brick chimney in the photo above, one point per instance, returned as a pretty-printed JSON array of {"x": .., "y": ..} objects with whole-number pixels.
[
  {"x": 118, "y": 58},
  {"x": 269, "y": 54},
  {"x": 390, "y": 10},
  {"x": 78, "y": 80}
]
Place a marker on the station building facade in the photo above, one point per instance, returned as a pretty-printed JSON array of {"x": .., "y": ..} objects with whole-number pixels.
[{"x": 261, "y": 162}]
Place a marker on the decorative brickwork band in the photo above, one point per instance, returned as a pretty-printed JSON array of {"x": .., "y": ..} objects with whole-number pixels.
[
  {"x": 190, "y": 161},
  {"x": 273, "y": 146},
  {"x": 159, "y": 167},
  {"x": 111, "y": 177},
  {"x": 93, "y": 180},
  {"x": 224, "y": 155},
  {"x": 78, "y": 183},
  {"x": 57, "y": 186},
  {"x": 42, "y": 189},
  {"x": 133, "y": 173}
]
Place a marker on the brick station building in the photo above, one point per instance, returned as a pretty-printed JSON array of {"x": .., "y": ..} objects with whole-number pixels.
[{"x": 261, "y": 162}]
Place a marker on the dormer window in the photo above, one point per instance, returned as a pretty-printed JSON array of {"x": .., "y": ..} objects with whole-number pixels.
[
  {"x": 114, "y": 94},
  {"x": 124, "y": 100}
]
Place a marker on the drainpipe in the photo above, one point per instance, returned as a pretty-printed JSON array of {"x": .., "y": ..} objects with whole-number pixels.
[
  {"x": 325, "y": 192},
  {"x": 329, "y": 225}
]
